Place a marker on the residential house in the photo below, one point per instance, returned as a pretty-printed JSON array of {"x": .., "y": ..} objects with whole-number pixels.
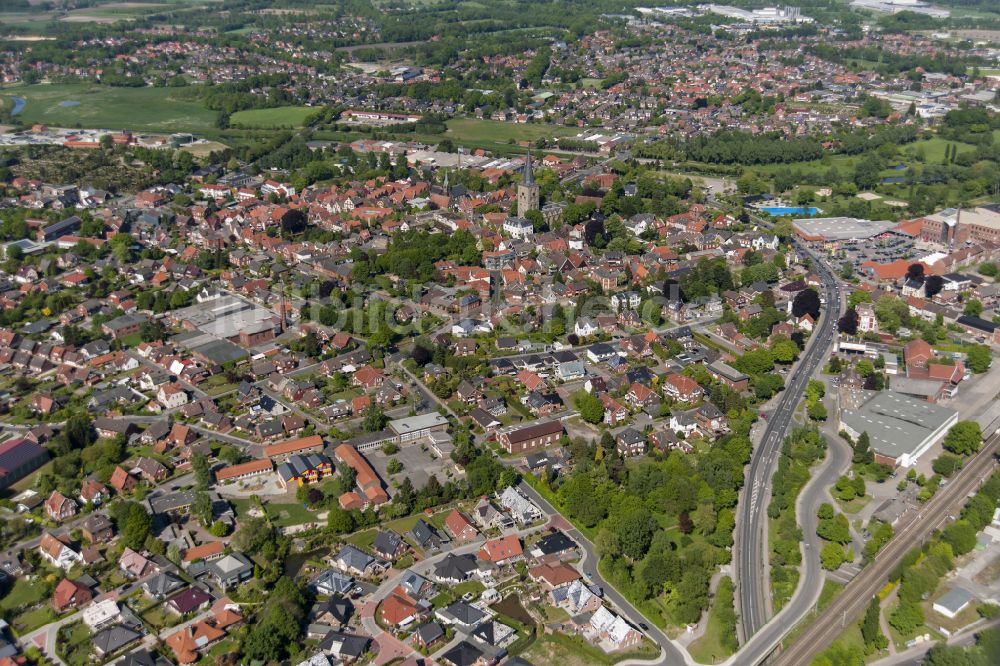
[
  {"x": 56, "y": 550},
  {"x": 501, "y": 551},
  {"x": 59, "y": 507}
]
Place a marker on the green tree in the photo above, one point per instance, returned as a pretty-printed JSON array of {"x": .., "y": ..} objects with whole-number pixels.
[
  {"x": 946, "y": 464},
  {"x": 973, "y": 307},
  {"x": 373, "y": 419},
  {"x": 858, "y": 297},
  {"x": 961, "y": 536},
  {"x": 817, "y": 411},
  {"x": 906, "y": 617},
  {"x": 202, "y": 472},
  {"x": 832, "y": 556},
  {"x": 134, "y": 524},
  {"x": 863, "y": 450},
  {"x": 785, "y": 351},
  {"x": 964, "y": 438},
  {"x": 202, "y": 507},
  {"x": 815, "y": 390},
  {"x": 590, "y": 407},
  {"x": 979, "y": 358},
  {"x": 340, "y": 521},
  {"x": 393, "y": 466},
  {"x": 871, "y": 630}
]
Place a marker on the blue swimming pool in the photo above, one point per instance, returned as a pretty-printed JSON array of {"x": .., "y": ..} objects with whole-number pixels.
[{"x": 790, "y": 210}]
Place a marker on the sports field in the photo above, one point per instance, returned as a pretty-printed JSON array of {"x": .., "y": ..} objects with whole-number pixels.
[
  {"x": 104, "y": 107},
  {"x": 278, "y": 117}
]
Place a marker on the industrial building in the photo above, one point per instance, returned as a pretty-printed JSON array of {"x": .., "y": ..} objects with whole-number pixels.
[
  {"x": 226, "y": 317},
  {"x": 901, "y": 428}
]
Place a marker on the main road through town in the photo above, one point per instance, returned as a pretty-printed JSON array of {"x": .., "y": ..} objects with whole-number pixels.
[{"x": 751, "y": 571}]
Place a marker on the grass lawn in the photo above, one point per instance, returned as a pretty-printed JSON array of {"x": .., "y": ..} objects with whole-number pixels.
[
  {"x": 363, "y": 540},
  {"x": 22, "y": 594},
  {"x": 473, "y": 586},
  {"x": 30, "y": 620},
  {"x": 158, "y": 617},
  {"x": 281, "y": 116},
  {"x": 74, "y": 644},
  {"x": 217, "y": 384},
  {"x": 283, "y": 515},
  {"x": 486, "y": 132},
  {"x": 104, "y": 107},
  {"x": 710, "y": 648},
  {"x": 855, "y": 505}
]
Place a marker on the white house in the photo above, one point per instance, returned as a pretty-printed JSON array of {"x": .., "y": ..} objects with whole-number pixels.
[
  {"x": 867, "y": 322},
  {"x": 585, "y": 327},
  {"x": 57, "y": 553},
  {"x": 629, "y": 299},
  {"x": 520, "y": 507},
  {"x": 518, "y": 227},
  {"x": 171, "y": 396},
  {"x": 101, "y": 614},
  {"x": 769, "y": 241}
]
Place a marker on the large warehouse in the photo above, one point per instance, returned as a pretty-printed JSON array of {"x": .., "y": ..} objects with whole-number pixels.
[
  {"x": 901, "y": 428},
  {"x": 839, "y": 228}
]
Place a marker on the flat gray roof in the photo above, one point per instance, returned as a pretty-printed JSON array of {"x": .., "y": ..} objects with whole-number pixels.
[
  {"x": 955, "y": 599},
  {"x": 418, "y": 422},
  {"x": 842, "y": 228},
  {"x": 897, "y": 424}
]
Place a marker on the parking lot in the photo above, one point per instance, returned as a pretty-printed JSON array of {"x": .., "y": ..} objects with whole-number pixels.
[
  {"x": 418, "y": 461},
  {"x": 882, "y": 249}
]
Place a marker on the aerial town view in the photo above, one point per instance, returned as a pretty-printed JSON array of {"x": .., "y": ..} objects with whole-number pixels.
[{"x": 524, "y": 332}]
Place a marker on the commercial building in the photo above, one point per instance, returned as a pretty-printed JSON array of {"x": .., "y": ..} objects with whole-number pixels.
[
  {"x": 839, "y": 228},
  {"x": 244, "y": 470},
  {"x": 364, "y": 476},
  {"x": 18, "y": 458},
  {"x": 901, "y": 428},
  {"x": 402, "y": 431},
  {"x": 227, "y": 317},
  {"x": 303, "y": 445},
  {"x": 954, "y": 226},
  {"x": 530, "y": 437},
  {"x": 301, "y": 470}
]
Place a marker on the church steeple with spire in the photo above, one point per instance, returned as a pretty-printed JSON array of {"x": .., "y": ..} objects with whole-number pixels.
[{"x": 527, "y": 190}]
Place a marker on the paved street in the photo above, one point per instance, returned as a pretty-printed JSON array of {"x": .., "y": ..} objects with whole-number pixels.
[{"x": 751, "y": 557}]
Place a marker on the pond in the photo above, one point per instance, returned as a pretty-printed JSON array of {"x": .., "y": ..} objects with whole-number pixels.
[{"x": 295, "y": 561}]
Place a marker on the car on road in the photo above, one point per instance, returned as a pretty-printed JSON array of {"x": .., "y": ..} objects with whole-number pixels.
[{"x": 643, "y": 626}]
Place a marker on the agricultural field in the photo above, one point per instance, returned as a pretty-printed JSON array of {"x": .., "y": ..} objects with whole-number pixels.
[
  {"x": 103, "y": 107},
  {"x": 277, "y": 118},
  {"x": 106, "y": 13}
]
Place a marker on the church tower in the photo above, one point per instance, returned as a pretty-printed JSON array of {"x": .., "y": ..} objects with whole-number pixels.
[{"x": 527, "y": 190}]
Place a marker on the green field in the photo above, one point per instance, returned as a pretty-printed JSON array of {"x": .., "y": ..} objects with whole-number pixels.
[
  {"x": 103, "y": 107},
  {"x": 491, "y": 131},
  {"x": 278, "y": 117}
]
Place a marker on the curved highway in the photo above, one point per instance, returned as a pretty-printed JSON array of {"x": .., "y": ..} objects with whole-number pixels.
[{"x": 751, "y": 570}]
